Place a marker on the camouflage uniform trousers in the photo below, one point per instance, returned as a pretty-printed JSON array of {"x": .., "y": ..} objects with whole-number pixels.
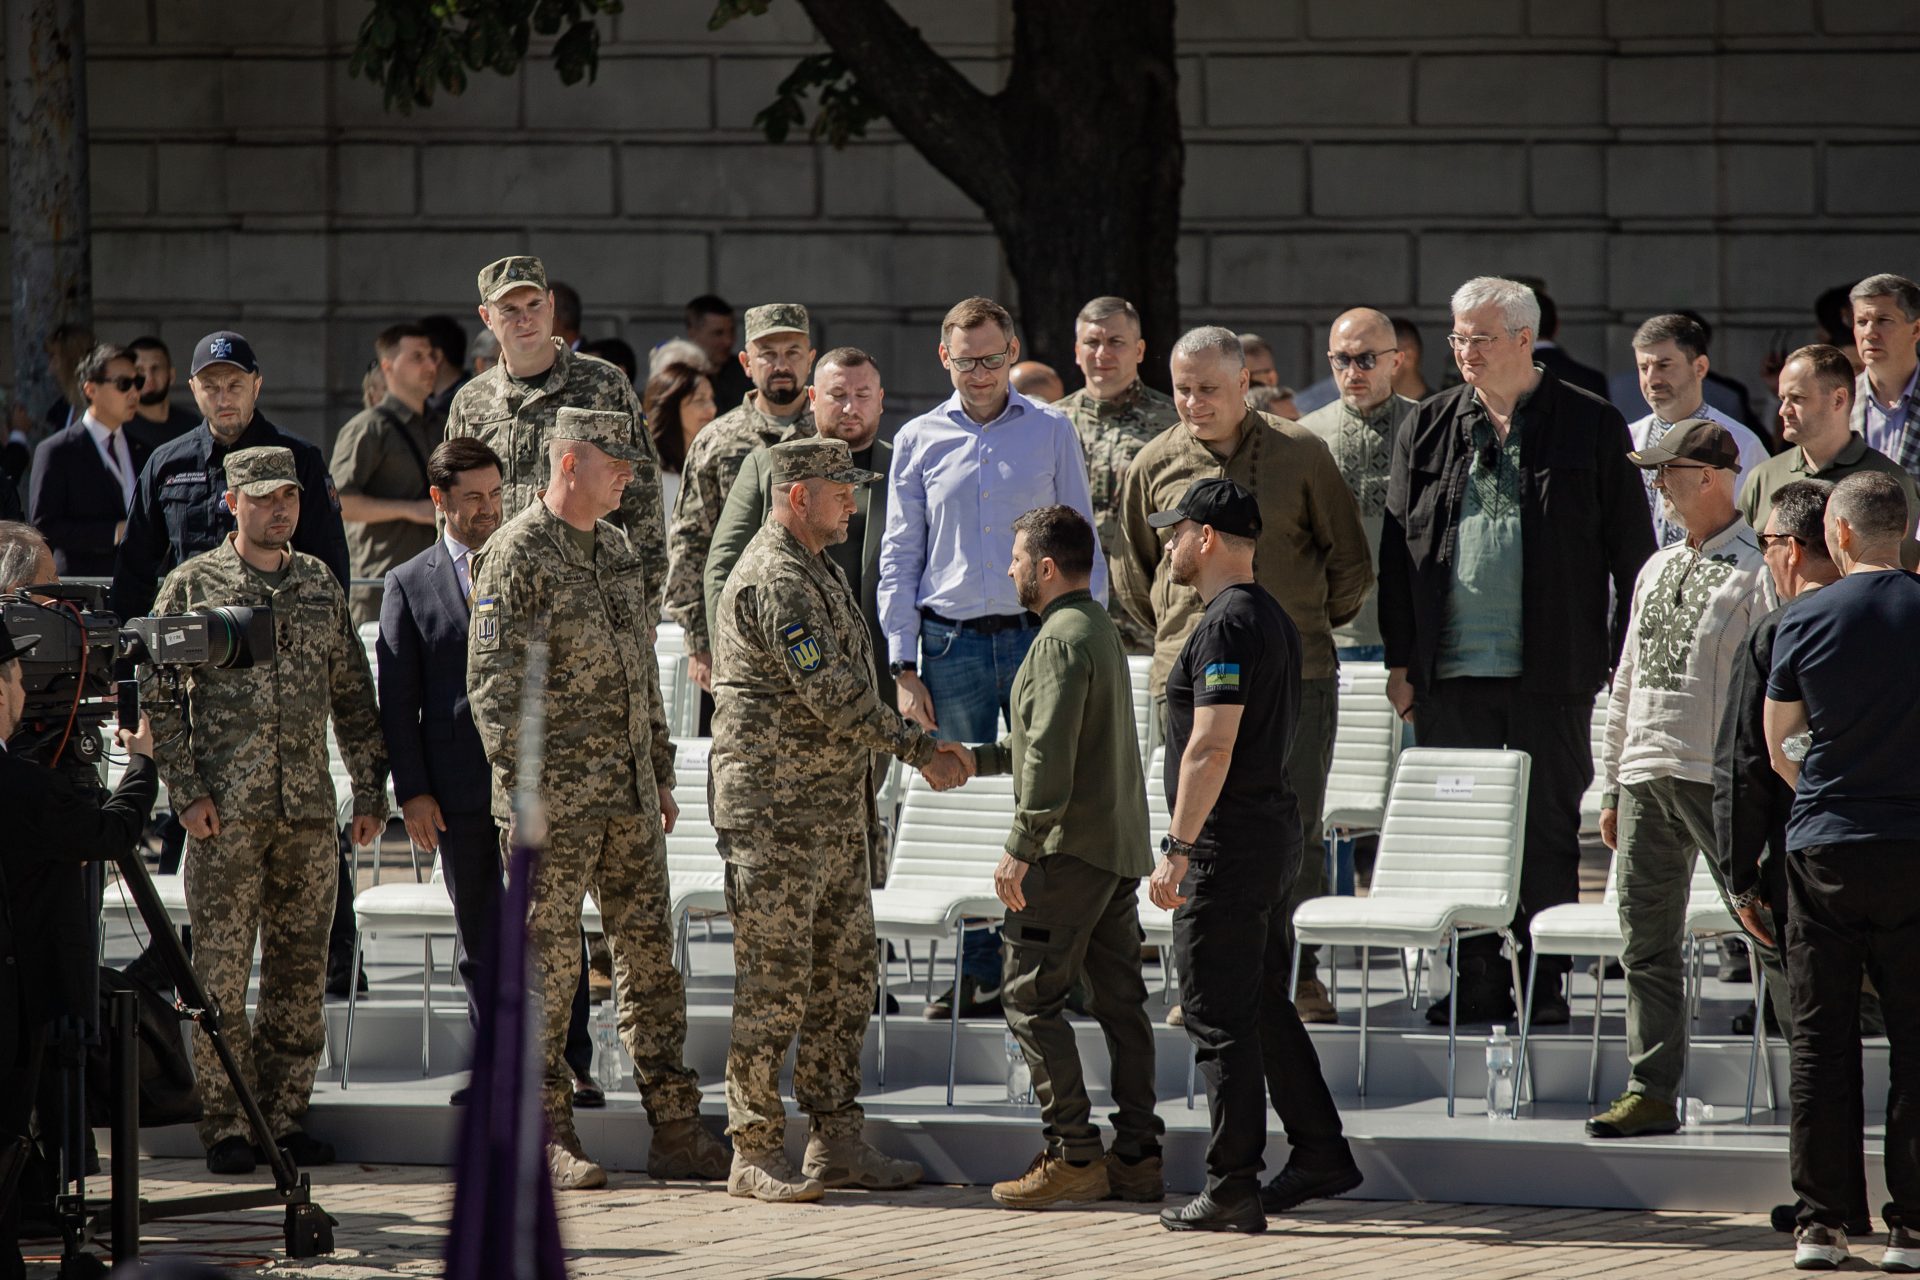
[
  {"x": 275, "y": 879},
  {"x": 623, "y": 860},
  {"x": 804, "y": 959}
]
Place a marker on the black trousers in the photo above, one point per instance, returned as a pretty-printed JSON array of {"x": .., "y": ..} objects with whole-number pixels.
[
  {"x": 1235, "y": 961},
  {"x": 1851, "y": 907},
  {"x": 1557, "y": 734}
]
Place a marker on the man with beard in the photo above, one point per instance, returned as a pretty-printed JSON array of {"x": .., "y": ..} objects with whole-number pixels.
[
  {"x": 380, "y": 467},
  {"x": 158, "y": 418},
  {"x": 778, "y": 358}
]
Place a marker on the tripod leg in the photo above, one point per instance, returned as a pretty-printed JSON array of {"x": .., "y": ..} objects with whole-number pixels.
[{"x": 126, "y": 1127}]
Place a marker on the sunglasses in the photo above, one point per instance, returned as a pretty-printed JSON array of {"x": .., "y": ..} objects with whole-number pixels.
[
  {"x": 1768, "y": 540},
  {"x": 123, "y": 383},
  {"x": 1341, "y": 361}
]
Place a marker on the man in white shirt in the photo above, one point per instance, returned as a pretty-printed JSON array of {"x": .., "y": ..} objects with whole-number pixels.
[
  {"x": 1670, "y": 358},
  {"x": 84, "y": 474}
]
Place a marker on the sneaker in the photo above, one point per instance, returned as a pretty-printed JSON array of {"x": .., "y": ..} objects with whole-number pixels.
[
  {"x": 1634, "y": 1115},
  {"x": 1902, "y": 1254},
  {"x": 1312, "y": 1003},
  {"x": 1142, "y": 1182},
  {"x": 1177, "y": 1016},
  {"x": 230, "y": 1155},
  {"x": 855, "y": 1162},
  {"x": 767, "y": 1176},
  {"x": 1051, "y": 1180},
  {"x": 1206, "y": 1213},
  {"x": 1785, "y": 1219},
  {"x": 976, "y": 1001},
  {"x": 1293, "y": 1187},
  {"x": 1819, "y": 1248},
  {"x": 684, "y": 1149},
  {"x": 571, "y": 1169}
]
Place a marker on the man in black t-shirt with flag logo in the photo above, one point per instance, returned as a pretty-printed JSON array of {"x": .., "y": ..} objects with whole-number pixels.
[{"x": 1230, "y": 856}]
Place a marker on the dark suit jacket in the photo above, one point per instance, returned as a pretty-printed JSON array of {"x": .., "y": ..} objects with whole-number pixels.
[
  {"x": 432, "y": 745},
  {"x": 75, "y": 501},
  {"x": 747, "y": 505},
  {"x": 1751, "y": 802},
  {"x": 1569, "y": 370}
]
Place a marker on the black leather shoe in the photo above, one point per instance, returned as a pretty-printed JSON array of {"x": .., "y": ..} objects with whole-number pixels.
[
  {"x": 1550, "y": 1010},
  {"x": 1477, "y": 1006},
  {"x": 1292, "y": 1187},
  {"x": 230, "y": 1155},
  {"x": 304, "y": 1149},
  {"x": 1204, "y": 1213},
  {"x": 588, "y": 1094}
]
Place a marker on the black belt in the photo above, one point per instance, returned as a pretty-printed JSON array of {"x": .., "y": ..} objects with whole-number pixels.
[{"x": 991, "y": 624}]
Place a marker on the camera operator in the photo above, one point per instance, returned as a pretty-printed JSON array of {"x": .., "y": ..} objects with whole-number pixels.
[
  {"x": 248, "y": 775},
  {"x": 25, "y": 558},
  {"x": 50, "y": 823}
]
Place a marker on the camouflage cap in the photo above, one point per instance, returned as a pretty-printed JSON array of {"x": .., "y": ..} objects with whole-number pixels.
[
  {"x": 776, "y": 317},
  {"x": 610, "y": 432},
  {"x": 508, "y": 274},
  {"x": 260, "y": 471},
  {"x": 817, "y": 459}
]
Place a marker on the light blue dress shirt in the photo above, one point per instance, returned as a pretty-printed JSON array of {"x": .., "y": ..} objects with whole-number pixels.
[{"x": 956, "y": 488}]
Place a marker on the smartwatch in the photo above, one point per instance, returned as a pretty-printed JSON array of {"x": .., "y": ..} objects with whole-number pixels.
[
  {"x": 1175, "y": 848},
  {"x": 895, "y": 668}
]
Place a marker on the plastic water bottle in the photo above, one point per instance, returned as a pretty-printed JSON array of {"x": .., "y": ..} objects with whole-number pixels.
[
  {"x": 1694, "y": 1111},
  {"x": 604, "y": 1029},
  {"x": 1019, "y": 1074},
  {"x": 1499, "y": 1075}
]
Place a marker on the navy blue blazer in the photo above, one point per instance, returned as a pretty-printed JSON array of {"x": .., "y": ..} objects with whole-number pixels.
[
  {"x": 75, "y": 501},
  {"x": 432, "y": 746}
]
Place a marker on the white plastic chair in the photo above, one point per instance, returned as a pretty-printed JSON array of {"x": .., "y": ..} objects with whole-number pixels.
[
  {"x": 1577, "y": 929},
  {"x": 1146, "y": 724},
  {"x": 1156, "y": 922},
  {"x": 404, "y": 907},
  {"x": 1597, "y": 742},
  {"x": 941, "y": 883},
  {"x": 1709, "y": 917},
  {"x": 1366, "y": 741},
  {"x": 679, "y": 696},
  {"x": 1448, "y": 868},
  {"x": 697, "y": 879}
]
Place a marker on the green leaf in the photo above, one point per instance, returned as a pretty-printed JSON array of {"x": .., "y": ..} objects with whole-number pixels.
[{"x": 725, "y": 11}]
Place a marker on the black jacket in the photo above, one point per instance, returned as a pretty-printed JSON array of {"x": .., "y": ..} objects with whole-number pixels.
[
  {"x": 1584, "y": 525},
  {"x": 432, "y": 746},
  {"x": 180, "y": 510},
  {"x": 75, "y": 501},
  {"x": 1750, "y": 801}
]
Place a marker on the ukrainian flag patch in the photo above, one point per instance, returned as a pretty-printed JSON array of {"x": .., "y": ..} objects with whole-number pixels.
[
  {"x": 1221, "y": 675},
  {"x": 802, "y": 649}
]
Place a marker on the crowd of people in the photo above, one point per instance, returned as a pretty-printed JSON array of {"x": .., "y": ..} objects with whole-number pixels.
[{"x": 1507, "y": 546}]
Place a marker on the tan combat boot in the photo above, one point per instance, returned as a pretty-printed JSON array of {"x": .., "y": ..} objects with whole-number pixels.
[
  {"x": 567, "y": 1162},
  {"x": 1142, "y": 1183},
  {"x": 684, "y": 1149},
  {"x": 1051, "y": 1180},
  {"x": 766, "y": 1175},
  {"x": 854, "y": 1162}
]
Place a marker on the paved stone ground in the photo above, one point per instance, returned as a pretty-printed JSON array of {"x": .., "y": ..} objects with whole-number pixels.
[{"x": 393, "y": 1221}]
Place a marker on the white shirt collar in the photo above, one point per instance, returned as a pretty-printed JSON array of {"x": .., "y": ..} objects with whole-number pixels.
[
  {"x": 455, "y": 547},
  {"x": 100, "y": 432}
]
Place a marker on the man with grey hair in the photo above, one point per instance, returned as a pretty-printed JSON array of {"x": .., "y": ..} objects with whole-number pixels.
[
  {"x": 25, "y": 557},
  {"x": 1513, "y": 531},
  {"x": 1886, "y": 396},
  {"x": 1312, "y": 552}
]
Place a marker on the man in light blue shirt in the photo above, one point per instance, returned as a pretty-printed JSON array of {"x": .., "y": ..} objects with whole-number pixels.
[
  {"x": 955, "y": 629},
  {"x": 1886, "y": 396}
]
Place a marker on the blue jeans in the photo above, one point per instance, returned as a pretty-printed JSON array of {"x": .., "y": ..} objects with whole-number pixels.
[
  {"x": 969, "y": 676},
  {"x": 1362, "y": 653}
]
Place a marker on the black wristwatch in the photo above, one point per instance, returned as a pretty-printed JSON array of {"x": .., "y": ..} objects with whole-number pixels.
[
  {"x": 895, "y": 668},
  {"x": 1175, "y": 848}
]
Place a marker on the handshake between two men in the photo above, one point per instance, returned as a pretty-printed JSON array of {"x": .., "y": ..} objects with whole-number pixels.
[{"x": 950, "y": 767}]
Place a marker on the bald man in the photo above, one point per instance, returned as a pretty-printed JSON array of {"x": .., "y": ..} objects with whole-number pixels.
[
  {"x": 1038, "y": 382},
  {"x": 1359, "y": 429}
]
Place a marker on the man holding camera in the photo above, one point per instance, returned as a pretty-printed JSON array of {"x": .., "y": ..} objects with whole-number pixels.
[{"x": 248, "y": 775}]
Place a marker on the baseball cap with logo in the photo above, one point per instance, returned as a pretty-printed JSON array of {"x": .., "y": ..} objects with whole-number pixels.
[
  {"x": 1214, "y": 501},
  {"x": 515, "y": 272},
  {"x": 776, "y": 317},
  {"x": 1694, "y": 440},
  {"x": 817, "y": 459},
  {"x": 262, "y": 470},
  {"x": 224, "y": 347},
  {"x": 605, "y": 429}
]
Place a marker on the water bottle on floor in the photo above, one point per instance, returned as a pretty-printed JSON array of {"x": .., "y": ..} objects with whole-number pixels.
[
  {"x": 603, "y": 1028},
  {"x": 1499, "y": 1075},
  {"x": 1019, "y": 1074}
]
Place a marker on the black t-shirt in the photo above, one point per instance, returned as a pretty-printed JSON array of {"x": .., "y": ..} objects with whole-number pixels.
[
  {"x": 1245, "y": 652},
  {"x": 1842, "y": 653}
]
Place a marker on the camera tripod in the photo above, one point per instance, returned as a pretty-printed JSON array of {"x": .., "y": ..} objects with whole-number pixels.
[{"x": 309, "y": 1228}]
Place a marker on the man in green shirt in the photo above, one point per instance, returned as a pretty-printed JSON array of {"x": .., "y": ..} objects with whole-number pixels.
[{"x": 1071, "y": 874}]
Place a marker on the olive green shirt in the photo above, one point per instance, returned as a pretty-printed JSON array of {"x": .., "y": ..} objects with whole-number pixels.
[
  {"x": 1073, "y": 752},
  {"x": 1782, "y": 469}
]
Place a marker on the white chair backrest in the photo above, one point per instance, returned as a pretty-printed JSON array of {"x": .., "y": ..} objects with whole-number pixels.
[
  {"x": 1703, "y": 893},
  {"x": 692, "y": 835},
  {"x": 1613, "y": 879},
  {"x": 1159, "y": 817},
  {"x": 1454, "y": 826},
  {"x": 949, "y": 837},
  {"x": 1366, "y": 741},
  {"x": 1146, "y": 725},
  {"x": 670, "y": 638},
  {"x": 370, "y": 642},
  {"x": 1597, "y": 741}
]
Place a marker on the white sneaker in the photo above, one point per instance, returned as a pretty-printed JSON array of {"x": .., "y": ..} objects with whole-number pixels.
[
  {"x": 1902, "y": 1254},
  {"x": 1819, "y": 1248}
]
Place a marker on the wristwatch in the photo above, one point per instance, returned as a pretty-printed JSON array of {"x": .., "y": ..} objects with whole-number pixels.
[
  {"x": 895, "y": 668},
  {"x": 1175, "y": 848}
]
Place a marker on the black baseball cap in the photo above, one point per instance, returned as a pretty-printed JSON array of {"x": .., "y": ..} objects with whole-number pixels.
[
  {"x": 1214, "y": 501},
  {"x": 224, "y": 347},
  {"x": 12, "y": 646}
]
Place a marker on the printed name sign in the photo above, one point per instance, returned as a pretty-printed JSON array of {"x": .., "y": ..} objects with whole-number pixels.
[{"x": 1453, "y": 786}]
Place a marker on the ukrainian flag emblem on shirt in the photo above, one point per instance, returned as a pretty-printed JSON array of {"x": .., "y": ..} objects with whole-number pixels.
[
  {"x": 1222, "y": 675},
  {"x": 802, "y": 648}
]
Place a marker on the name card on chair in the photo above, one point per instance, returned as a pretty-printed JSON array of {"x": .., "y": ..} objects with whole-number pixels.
[
  {"x": 1453, "y": 786},
  {"x": 693, "y": 755},
  {"x": 1343, "y": 681}
]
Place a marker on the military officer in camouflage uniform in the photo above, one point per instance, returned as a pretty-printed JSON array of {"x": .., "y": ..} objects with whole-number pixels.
[
  {"x": 561, "y": 572},
  {"x": 1114, "y": 414},
  {"x": 247, "y": 770},
  {"x": 512, "y": 408},
  {"x": 778, "y": 358},
  {"x": 799, "y": 732}
]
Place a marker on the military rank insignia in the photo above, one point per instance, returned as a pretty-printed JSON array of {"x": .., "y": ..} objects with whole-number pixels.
[
  {"x": 486, "y": 624},
  {"x": 802, "y": 649}
]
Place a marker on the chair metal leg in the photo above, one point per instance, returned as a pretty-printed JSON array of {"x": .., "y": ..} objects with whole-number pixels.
[
  {"x": 1406, "y": 974},
  {"x": 426, "y": 1004},
  {"x": 1365, "y": 955},
  {"x": 933, "y": 953},
  {"x": 683, "y": 944},
  {"x": 881, "y": 1005},
  {"x": 1759, "y": 1017},
  {"x": 1333, "y": 975},
  {"x": 1691, "y": 1006},
  {"x": 1593, "y": 1048},
  {"x": 1193, "y": 1069},
  {"x": 1526, "y": 1026},
  {"x": 907, "y": 948},
  {"x": 1419, "y": 972},
  {"x": 1293, "y": 979},
  {"x": 353, "y": 993},
  {"x": 1766, "y": 1056},
  {"x": 1522, "y": 999},
  {"x": 1453, "y": 1016},
  {"x": 953, "y": 1033}
]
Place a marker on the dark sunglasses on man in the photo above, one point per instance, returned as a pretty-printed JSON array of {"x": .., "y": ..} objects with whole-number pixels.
[
  {"x": 1341, "y": 361},
  {"x": 123, "y": 383}
]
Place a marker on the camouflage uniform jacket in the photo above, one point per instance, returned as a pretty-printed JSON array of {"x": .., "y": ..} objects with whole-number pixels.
[
  {"x": 255, "y": 741},
  {"x": 515, "y": 419},
  {"x": 797, "y": 721},
  {"x": 606, "y": 746},
  {"x": 1111, "y": 432},
  {"x": 712, "y": 463}
]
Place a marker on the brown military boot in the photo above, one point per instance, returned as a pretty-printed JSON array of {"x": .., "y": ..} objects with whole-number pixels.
[
  {"x": 766, "y": 1175},
  {"x": 854, "y": 1162},
  {"x": 1051, "y": 1180},
  {"x": 684, "y": 1149},
  {"x": 567, "y": 1162},
  {"x": 1313, "y": 1004},
  {"x": 1141, "y": 1183}
]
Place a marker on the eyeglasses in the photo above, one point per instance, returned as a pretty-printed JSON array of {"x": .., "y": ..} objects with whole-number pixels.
[
  {"x": 1478, "y": 341},
  {"x": 964, "y": 364},
  {"x": 135, "y": 383},
  {"x": 1665, "y": 467},
  {"x": 1769, "y": 540},
  {"x": 1341, "y": 361}
]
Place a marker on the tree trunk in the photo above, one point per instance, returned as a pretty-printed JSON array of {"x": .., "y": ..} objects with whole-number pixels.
[
  {"x": 1077, "y": 163},
  {"x": 47, "y": 205}
]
